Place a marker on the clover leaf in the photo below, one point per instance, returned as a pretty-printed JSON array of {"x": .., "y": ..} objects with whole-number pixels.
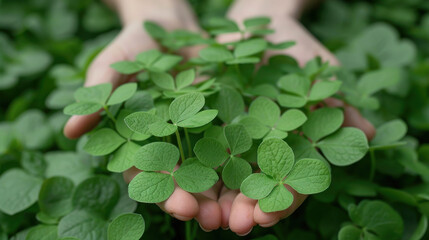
[
  {"x": 184, "y": 111},
  {"x": 341, "y": 147},
  {"x": 152, "y": 61},
  {"x": 244, "y": 50},
  {"x": 213, "y": 153},
  {"x": 128, "y": 226},
  {"x": 360, "y": 93},
  {"x": 91, "y": 99},
  {"x": 264, "y": 119},
  {"x": 103, "y": 142},
  {"x": 278, "y": 167},
  {"x": 166, "y": 82},
  {"x": 389, "y": 135},
  {"x": 156, "y": 184},
  {"x": 373, "y": 220},
  {"x": 298, "y": 90}
]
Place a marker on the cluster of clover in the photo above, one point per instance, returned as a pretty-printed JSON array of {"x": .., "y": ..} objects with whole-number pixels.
[{"x": 252, "y": 135}]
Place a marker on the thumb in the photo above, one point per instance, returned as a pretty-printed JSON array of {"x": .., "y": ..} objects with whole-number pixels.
[{"x": 125, "y": 46}]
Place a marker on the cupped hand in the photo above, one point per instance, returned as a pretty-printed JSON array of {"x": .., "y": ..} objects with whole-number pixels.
[
  {"x": 171, "y": 14},
  {"x": 239, "y": 212}
]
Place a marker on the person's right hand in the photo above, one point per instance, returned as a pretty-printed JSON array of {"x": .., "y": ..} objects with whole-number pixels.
[
  {"x": 170, "y": 14},
  {"x": 239, "y": 212}
]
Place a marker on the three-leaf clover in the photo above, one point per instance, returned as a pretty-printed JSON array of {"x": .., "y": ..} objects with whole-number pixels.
[
  {"x": 184, "y": 111},
  {"x": 152, "y": 61},
  {"x": 277, "y": 163},
  {"x": 389, "y": 135},
  {"x": 156, "y": 184},
  {"x": 121, "y": 142},
  {"x": 360, "y": 93},
  {"x": 213, "y": 153},
  {"x": 166, "y": 82},
  {"x": 341, "y": 146},
  {"x": 372, "y": 220},
  {"x": 298, "y": 90},
  {"x": 264, "y": 119},
  {"x": 91, "y": 99}
]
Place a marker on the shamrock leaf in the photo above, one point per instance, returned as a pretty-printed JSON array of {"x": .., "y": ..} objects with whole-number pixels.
[
  {"x": 141, "y": 123},
  {"x": 360, "y": 93},
  {"x": 184, "y": 111},
  {"x": 152, "y": 61},
  {"x": 374, "y": 219},
  {"x": 276, "y": 160},
  {"x": 157, "y": 156},
  {"x": 126, "y": 226},
  {"x": 153, "y": 186},
  {"x": 229, "y": 103},
  {"x": 166, "y": 82},
  {"x": 264, "y": 119},
  {"x": 192, "y": 176},
  {"x": 216, "y": 54},
  {"x": 323, "y": 122},
  {"x": 213, "y": 153},
  {"x": 346, "y": 146},
  {"x": 389, "y": 134},
  {"x": 244, "y": 50},
  {"x": 103, "y": 142},
  {"x": 298, "y": 92},
  {"x": 91, "y": 99}
]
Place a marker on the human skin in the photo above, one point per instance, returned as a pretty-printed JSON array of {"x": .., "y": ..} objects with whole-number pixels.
[{"x": 218, "y": 206}]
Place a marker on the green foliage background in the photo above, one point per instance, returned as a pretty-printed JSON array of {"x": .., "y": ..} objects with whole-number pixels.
[{"x": 47, "y": 45}]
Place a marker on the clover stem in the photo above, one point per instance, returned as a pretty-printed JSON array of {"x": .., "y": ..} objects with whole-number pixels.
[
  {"x": 109, "y": 114},
  {"x": 188, "y": 230},
  {"x": 188, "y": 142},
  {"x": 179, "y": 143},
  {"x": 373, "y": 165}
]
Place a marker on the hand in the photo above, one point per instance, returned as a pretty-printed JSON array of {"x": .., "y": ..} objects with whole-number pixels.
[
  {"x": 239, "y": 212},
  {"x": 171, "y": 14}
]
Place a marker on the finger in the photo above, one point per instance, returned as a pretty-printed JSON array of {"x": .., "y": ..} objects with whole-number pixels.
[
  {"x": 130, "y": 173},
  {"x": 226, "y": 199},
  {"x": 306, "y": 45},
  {"x": 209, "y": 215},
  {"x": 269, "y": 219},
  {"x": 353, "y": 118},
  {"x": 241, "y": 219},
  {"x": 181, "y": 205},
  {"x": 126, "y": 46}
]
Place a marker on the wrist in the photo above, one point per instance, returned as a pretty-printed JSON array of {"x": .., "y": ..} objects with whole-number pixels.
[
  {"x": 274, "y": 9},
  {"x": 164, "y": 12}
]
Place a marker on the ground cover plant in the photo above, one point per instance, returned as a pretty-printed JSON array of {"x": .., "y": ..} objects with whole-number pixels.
[{"x": 261, "y": 127}]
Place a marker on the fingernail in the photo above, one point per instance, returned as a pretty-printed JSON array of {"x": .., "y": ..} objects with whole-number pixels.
[
  {"x": 242, "y": 235},
  {"x": 182, "y": 218},
  {"x": 205, "y": 230},
  {"x": 268, "y": 224}
]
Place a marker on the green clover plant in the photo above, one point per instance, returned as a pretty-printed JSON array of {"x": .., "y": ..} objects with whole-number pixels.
[
  {"x": 264, "y": 119},
  {"x": 278, "y": 167},
  {"x": 213, "y": 153},
  {"x": 155, "y": 184}
]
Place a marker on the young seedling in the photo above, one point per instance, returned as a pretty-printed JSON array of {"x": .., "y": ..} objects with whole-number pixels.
[
  {"x": 155, "y": 184},
  {"x": 264, "y": 120},
  {"x": 278, "y": 167},
  {"x": 212, "y": 153}
]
